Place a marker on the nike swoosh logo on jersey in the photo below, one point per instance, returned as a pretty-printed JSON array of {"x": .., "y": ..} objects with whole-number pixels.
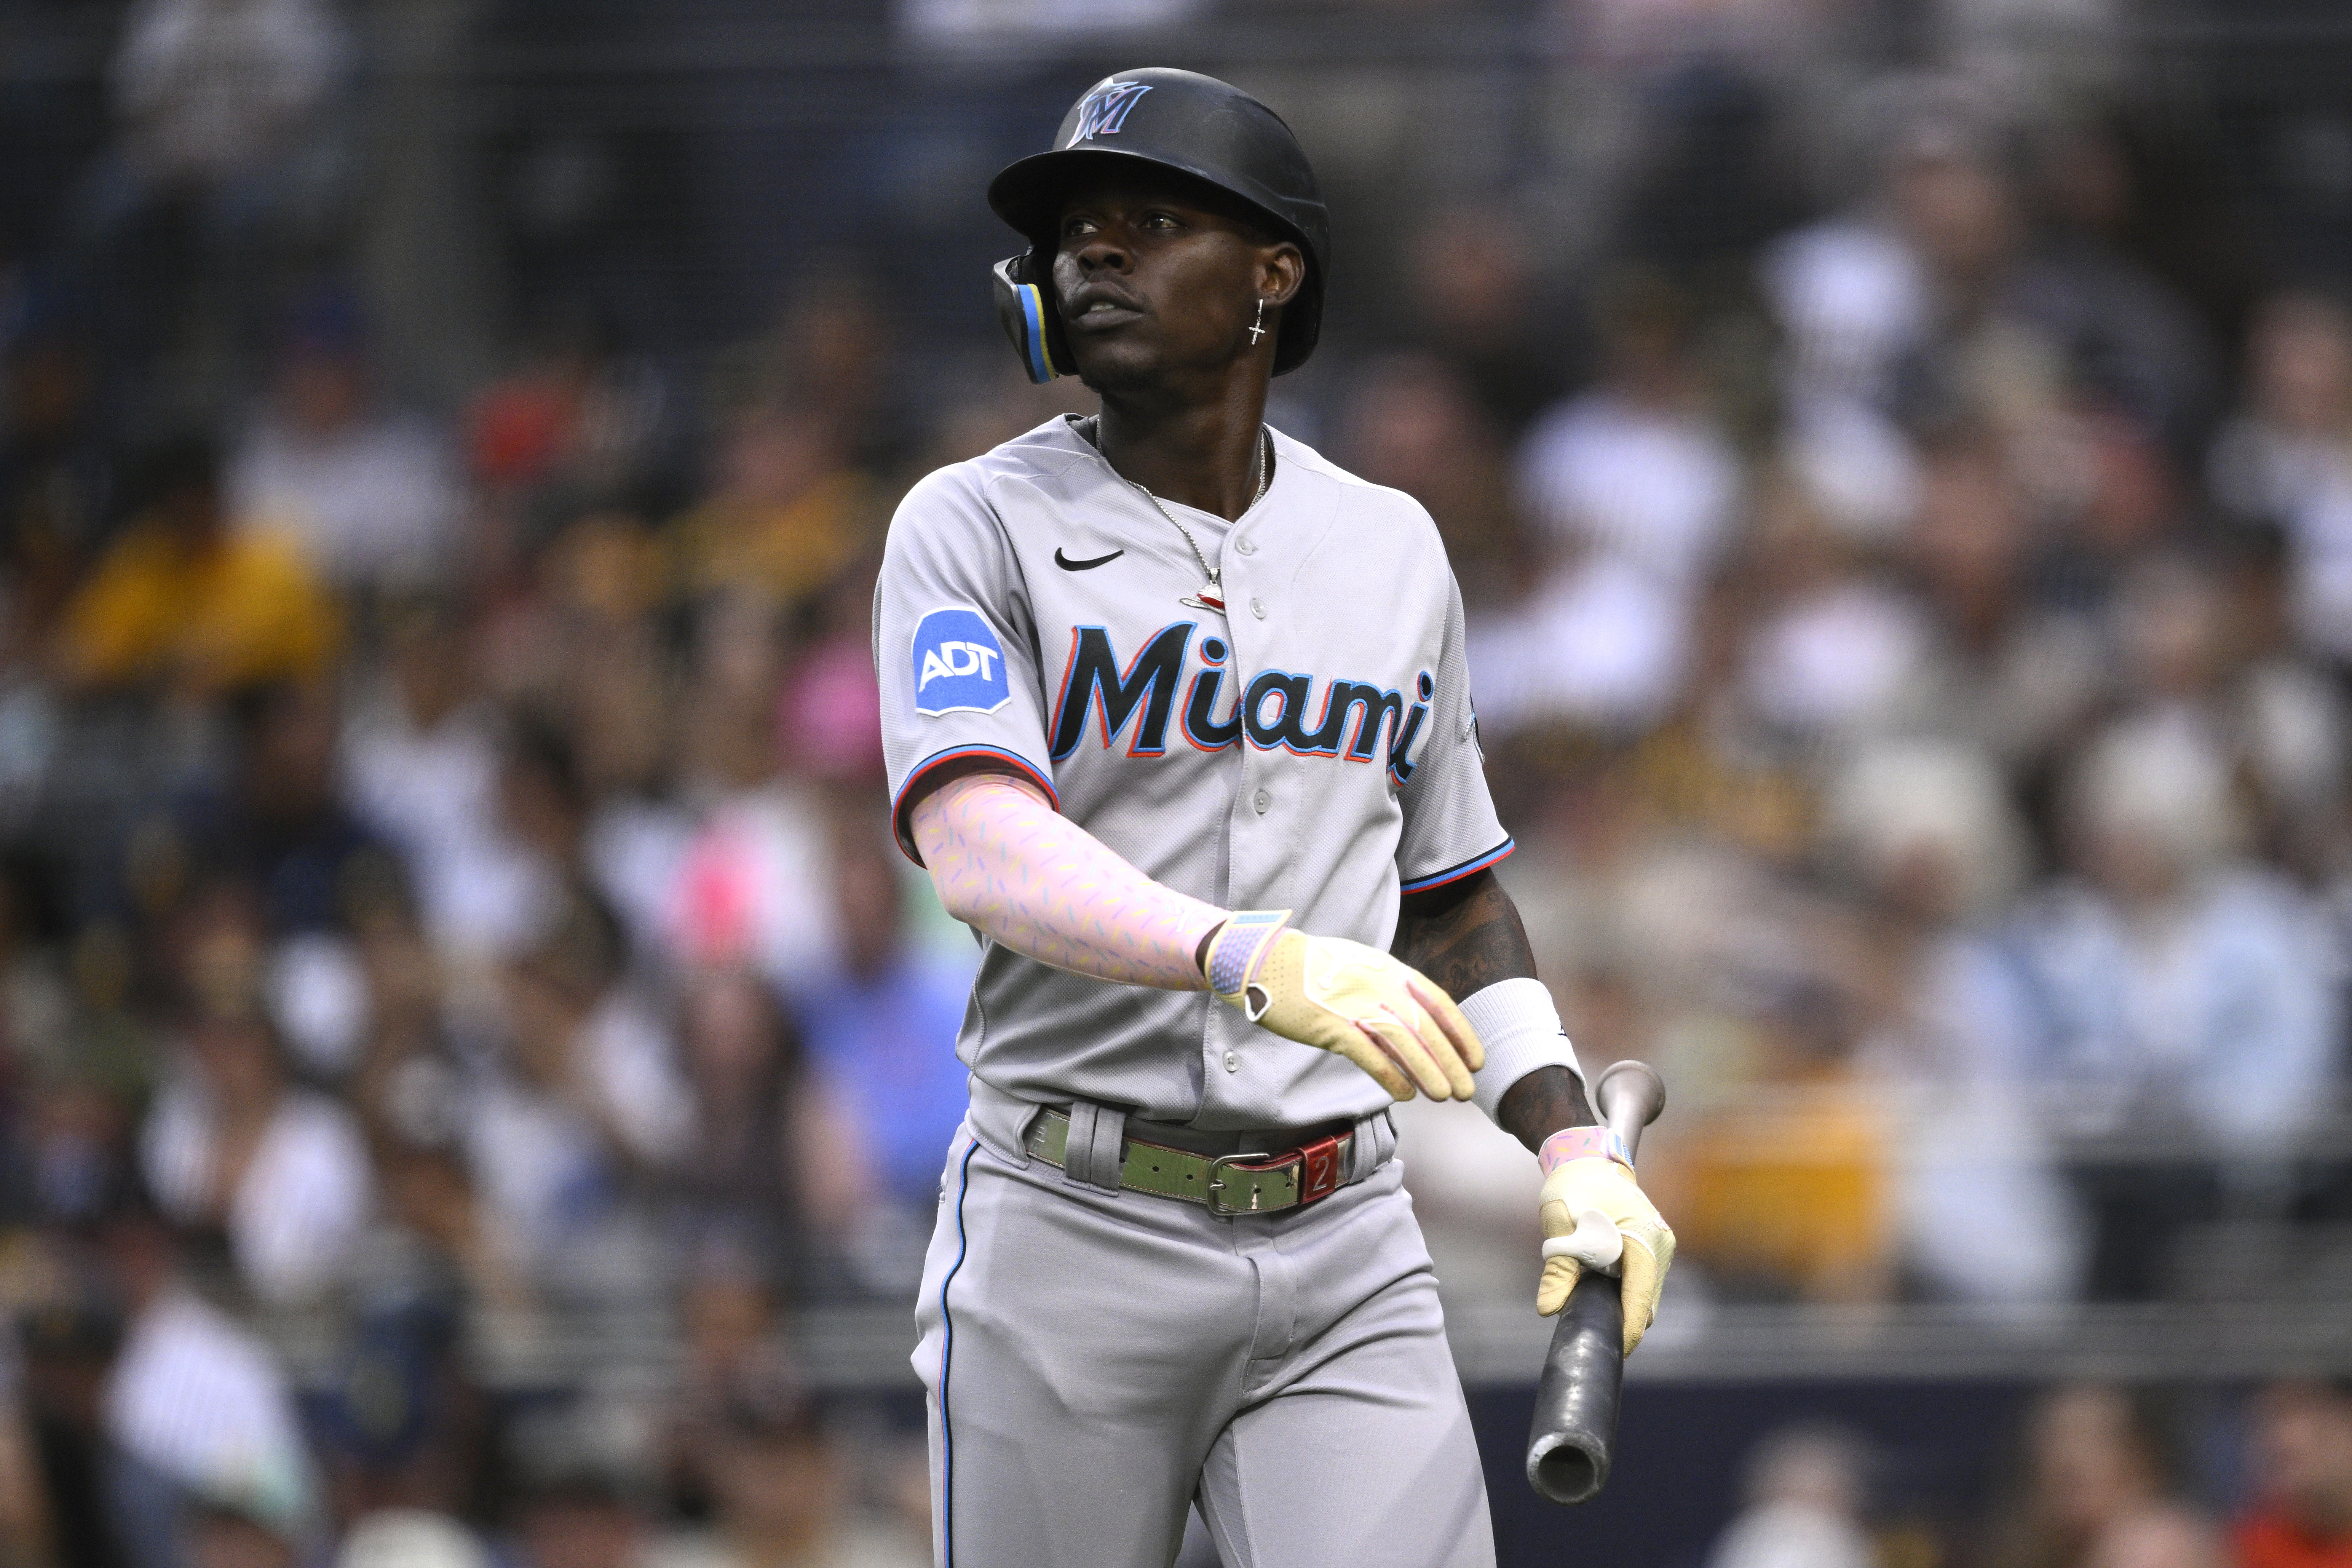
[{"x": 1067, "y": 565}]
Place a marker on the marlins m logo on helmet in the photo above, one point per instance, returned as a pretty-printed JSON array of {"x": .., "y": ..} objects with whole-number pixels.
[{"x": 1105, "y": 109}]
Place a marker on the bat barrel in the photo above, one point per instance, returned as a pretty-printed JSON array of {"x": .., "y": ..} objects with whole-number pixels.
[
  {"x": 1575, "y": 1427},
  {"x": 1572, "y": 1438}
]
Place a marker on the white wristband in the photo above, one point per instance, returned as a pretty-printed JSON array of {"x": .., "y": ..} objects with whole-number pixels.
[{"x": 1521, "y": 1030}]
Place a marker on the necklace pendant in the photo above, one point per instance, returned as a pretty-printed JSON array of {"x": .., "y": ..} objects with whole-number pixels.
[{"x": 1210, "y": 597}]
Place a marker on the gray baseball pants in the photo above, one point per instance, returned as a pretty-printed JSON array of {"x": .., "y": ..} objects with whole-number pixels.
[{"x": 1097, "y": 1360}]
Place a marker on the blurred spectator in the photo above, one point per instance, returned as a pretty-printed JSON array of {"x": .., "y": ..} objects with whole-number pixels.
[
  {"x": 2301, "y": 1516},
  {"x": 751, "y": 887},
  {"x": 56, "y": 474},
  {"x": 833, "y": 348},
  {"x": 786, "y": 510},
  {"x": 1633, "y": 491},
  {"x": 1789, "y": 1195},
  {"x": 196, "y": 1403},
  {"x": 70, "y": 1342},
  {"x": 1804, "y": 1501},
  {"x": 366, "y": 494},
  {"x": 278, "y": 824},
  {"x": 182, "y": 602},
  {"x": 410, "y": 1538},
  {"x": 1834, "y": 647},
  {"x": 2097, "y": 1491},
  {"x": 828, "y": 723},
  {"x": 2187, "y": 996},
  {"x": 1479, "y": 309},
  {"x": 783, "y": 1499},
  {"x": 1413, "y": 424},
  {"x": 444, "y": 1243},
  {"x": 1925, "y": 830},
  {"x": 544, "y": 809},
  {"x": 1851, "y": 297},
  {"x": 26, "y": 1536},
  {"x": 221, "y": 172},
  {"x": 733, "y": 1336},
  {"x": 421, "y": 757},
  {"x": 612, "y": 710},
  {"x": 2287, "y": 458},
  {"x": 576, "y": 424},
  {"x": 585, "y": 1098},
  {"x": 2184, "y": 990},
  {"x": 882, "y": 1036},
  {"x": 2197, "y": 643},
  {"x": 747, "y": 1165},
  {"x": 400, "y": 1425},
  {"x": 1634, "y": 469},
  {"x": 2003, "y": 670},
  {"x": 210, "y": 89},
  {"x": 1939, "y": 301},
  {"x": 1599, "y": 644},
  {"x": 219, "y": 1535},
  {"x": 731, "y": 721},
  {"x": 2135, "y": 340},
  {"x": 231, "y": 1144},
  {"x": 579, "y": 1498}
]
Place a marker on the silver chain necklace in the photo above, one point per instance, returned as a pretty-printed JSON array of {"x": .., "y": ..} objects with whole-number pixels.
[{"x": 1211, "y": 595}]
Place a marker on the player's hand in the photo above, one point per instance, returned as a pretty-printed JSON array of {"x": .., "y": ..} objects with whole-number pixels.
[
  {"x": 1596, "y": 1215},
  {"x": 1360, "y": 1003}
]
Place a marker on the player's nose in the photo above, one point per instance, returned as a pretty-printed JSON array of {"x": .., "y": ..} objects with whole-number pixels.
[{"x": 1102, "y": 251}]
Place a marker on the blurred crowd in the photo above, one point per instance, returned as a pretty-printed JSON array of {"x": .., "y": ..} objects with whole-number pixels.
[
  {"x": 1916, "y": 672},
  {"x": 449, "y": 934},
  {"x": 2102, "y": 1477}
]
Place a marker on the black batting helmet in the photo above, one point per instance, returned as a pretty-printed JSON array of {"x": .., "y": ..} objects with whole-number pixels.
[{"x": 1197, "y": 126}]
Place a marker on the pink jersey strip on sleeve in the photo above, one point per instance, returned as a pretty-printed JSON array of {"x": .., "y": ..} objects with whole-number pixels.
[{"x": 1007, "y": 863}]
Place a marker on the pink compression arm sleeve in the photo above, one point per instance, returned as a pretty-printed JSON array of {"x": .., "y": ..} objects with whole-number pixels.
[{"x": 1006, "y": 862}]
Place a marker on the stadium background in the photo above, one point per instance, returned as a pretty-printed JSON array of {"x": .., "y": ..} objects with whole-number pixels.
[{"x": 472, "y": 1071}]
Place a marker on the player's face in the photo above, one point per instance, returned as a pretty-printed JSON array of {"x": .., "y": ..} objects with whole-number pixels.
[{"x": 1154, "y": 287}]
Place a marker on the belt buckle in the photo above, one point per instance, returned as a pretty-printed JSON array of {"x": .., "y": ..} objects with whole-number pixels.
[
  {"x": 1216, "y": 1174},
  {"x": 1320, "y": 1169}
]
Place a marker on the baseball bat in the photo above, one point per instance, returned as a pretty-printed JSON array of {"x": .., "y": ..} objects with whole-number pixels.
[{"x": 1571, "y": 1439}]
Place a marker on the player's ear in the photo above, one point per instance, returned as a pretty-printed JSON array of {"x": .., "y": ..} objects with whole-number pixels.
[{"x": 1281, "y": 272}]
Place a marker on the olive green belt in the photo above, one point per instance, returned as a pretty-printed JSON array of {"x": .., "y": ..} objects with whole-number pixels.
[{"x": 1228, "y": 1185}]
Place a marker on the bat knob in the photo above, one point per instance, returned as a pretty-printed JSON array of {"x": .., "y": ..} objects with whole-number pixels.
[{"x": 1629, "y": 1095}]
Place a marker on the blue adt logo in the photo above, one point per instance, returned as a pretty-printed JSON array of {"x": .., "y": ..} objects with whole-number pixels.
[{"x": 958, "y": 664}]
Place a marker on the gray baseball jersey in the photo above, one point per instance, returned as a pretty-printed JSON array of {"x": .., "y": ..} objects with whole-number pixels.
[{"x": 1313, "y": 748}]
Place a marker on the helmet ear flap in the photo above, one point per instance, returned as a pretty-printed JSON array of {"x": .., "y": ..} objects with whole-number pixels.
[{"x": 1025, "y": 310}]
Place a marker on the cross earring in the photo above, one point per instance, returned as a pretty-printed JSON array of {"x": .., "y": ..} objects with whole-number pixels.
[{"x": 1258, "y": 328}]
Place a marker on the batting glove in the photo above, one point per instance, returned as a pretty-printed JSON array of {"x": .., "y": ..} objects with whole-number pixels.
[
  {"x": 1594, "y": 1215},
  {"x": 1347, "y": 998}
]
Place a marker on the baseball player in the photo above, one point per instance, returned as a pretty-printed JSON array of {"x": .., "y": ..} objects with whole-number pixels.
[{"x": 1178, "y": 720}]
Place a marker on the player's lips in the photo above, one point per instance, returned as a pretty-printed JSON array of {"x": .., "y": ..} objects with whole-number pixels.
[{"x": 1101, "y": 305}]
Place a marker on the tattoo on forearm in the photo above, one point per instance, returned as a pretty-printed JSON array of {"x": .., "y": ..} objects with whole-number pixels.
[{"x": 1467, "y": 938}]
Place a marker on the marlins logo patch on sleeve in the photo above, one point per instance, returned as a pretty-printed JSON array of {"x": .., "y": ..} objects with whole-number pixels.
[{"x": 958, "y": 664}]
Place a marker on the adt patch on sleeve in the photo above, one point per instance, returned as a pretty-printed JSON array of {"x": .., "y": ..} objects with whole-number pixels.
[{"x": 958, "y": 664}]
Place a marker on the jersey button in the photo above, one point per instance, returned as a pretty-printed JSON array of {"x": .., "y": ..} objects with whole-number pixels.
[
  {"x": 1247, "y": 546},
  {"x": 1232, "y": 1061},
  {"x": 1257, "y": 609},
  {"x": 1261, "y": 800}
]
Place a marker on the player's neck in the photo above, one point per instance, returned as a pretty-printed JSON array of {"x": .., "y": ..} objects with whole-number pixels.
[{"x": 1201, "y": 454}]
